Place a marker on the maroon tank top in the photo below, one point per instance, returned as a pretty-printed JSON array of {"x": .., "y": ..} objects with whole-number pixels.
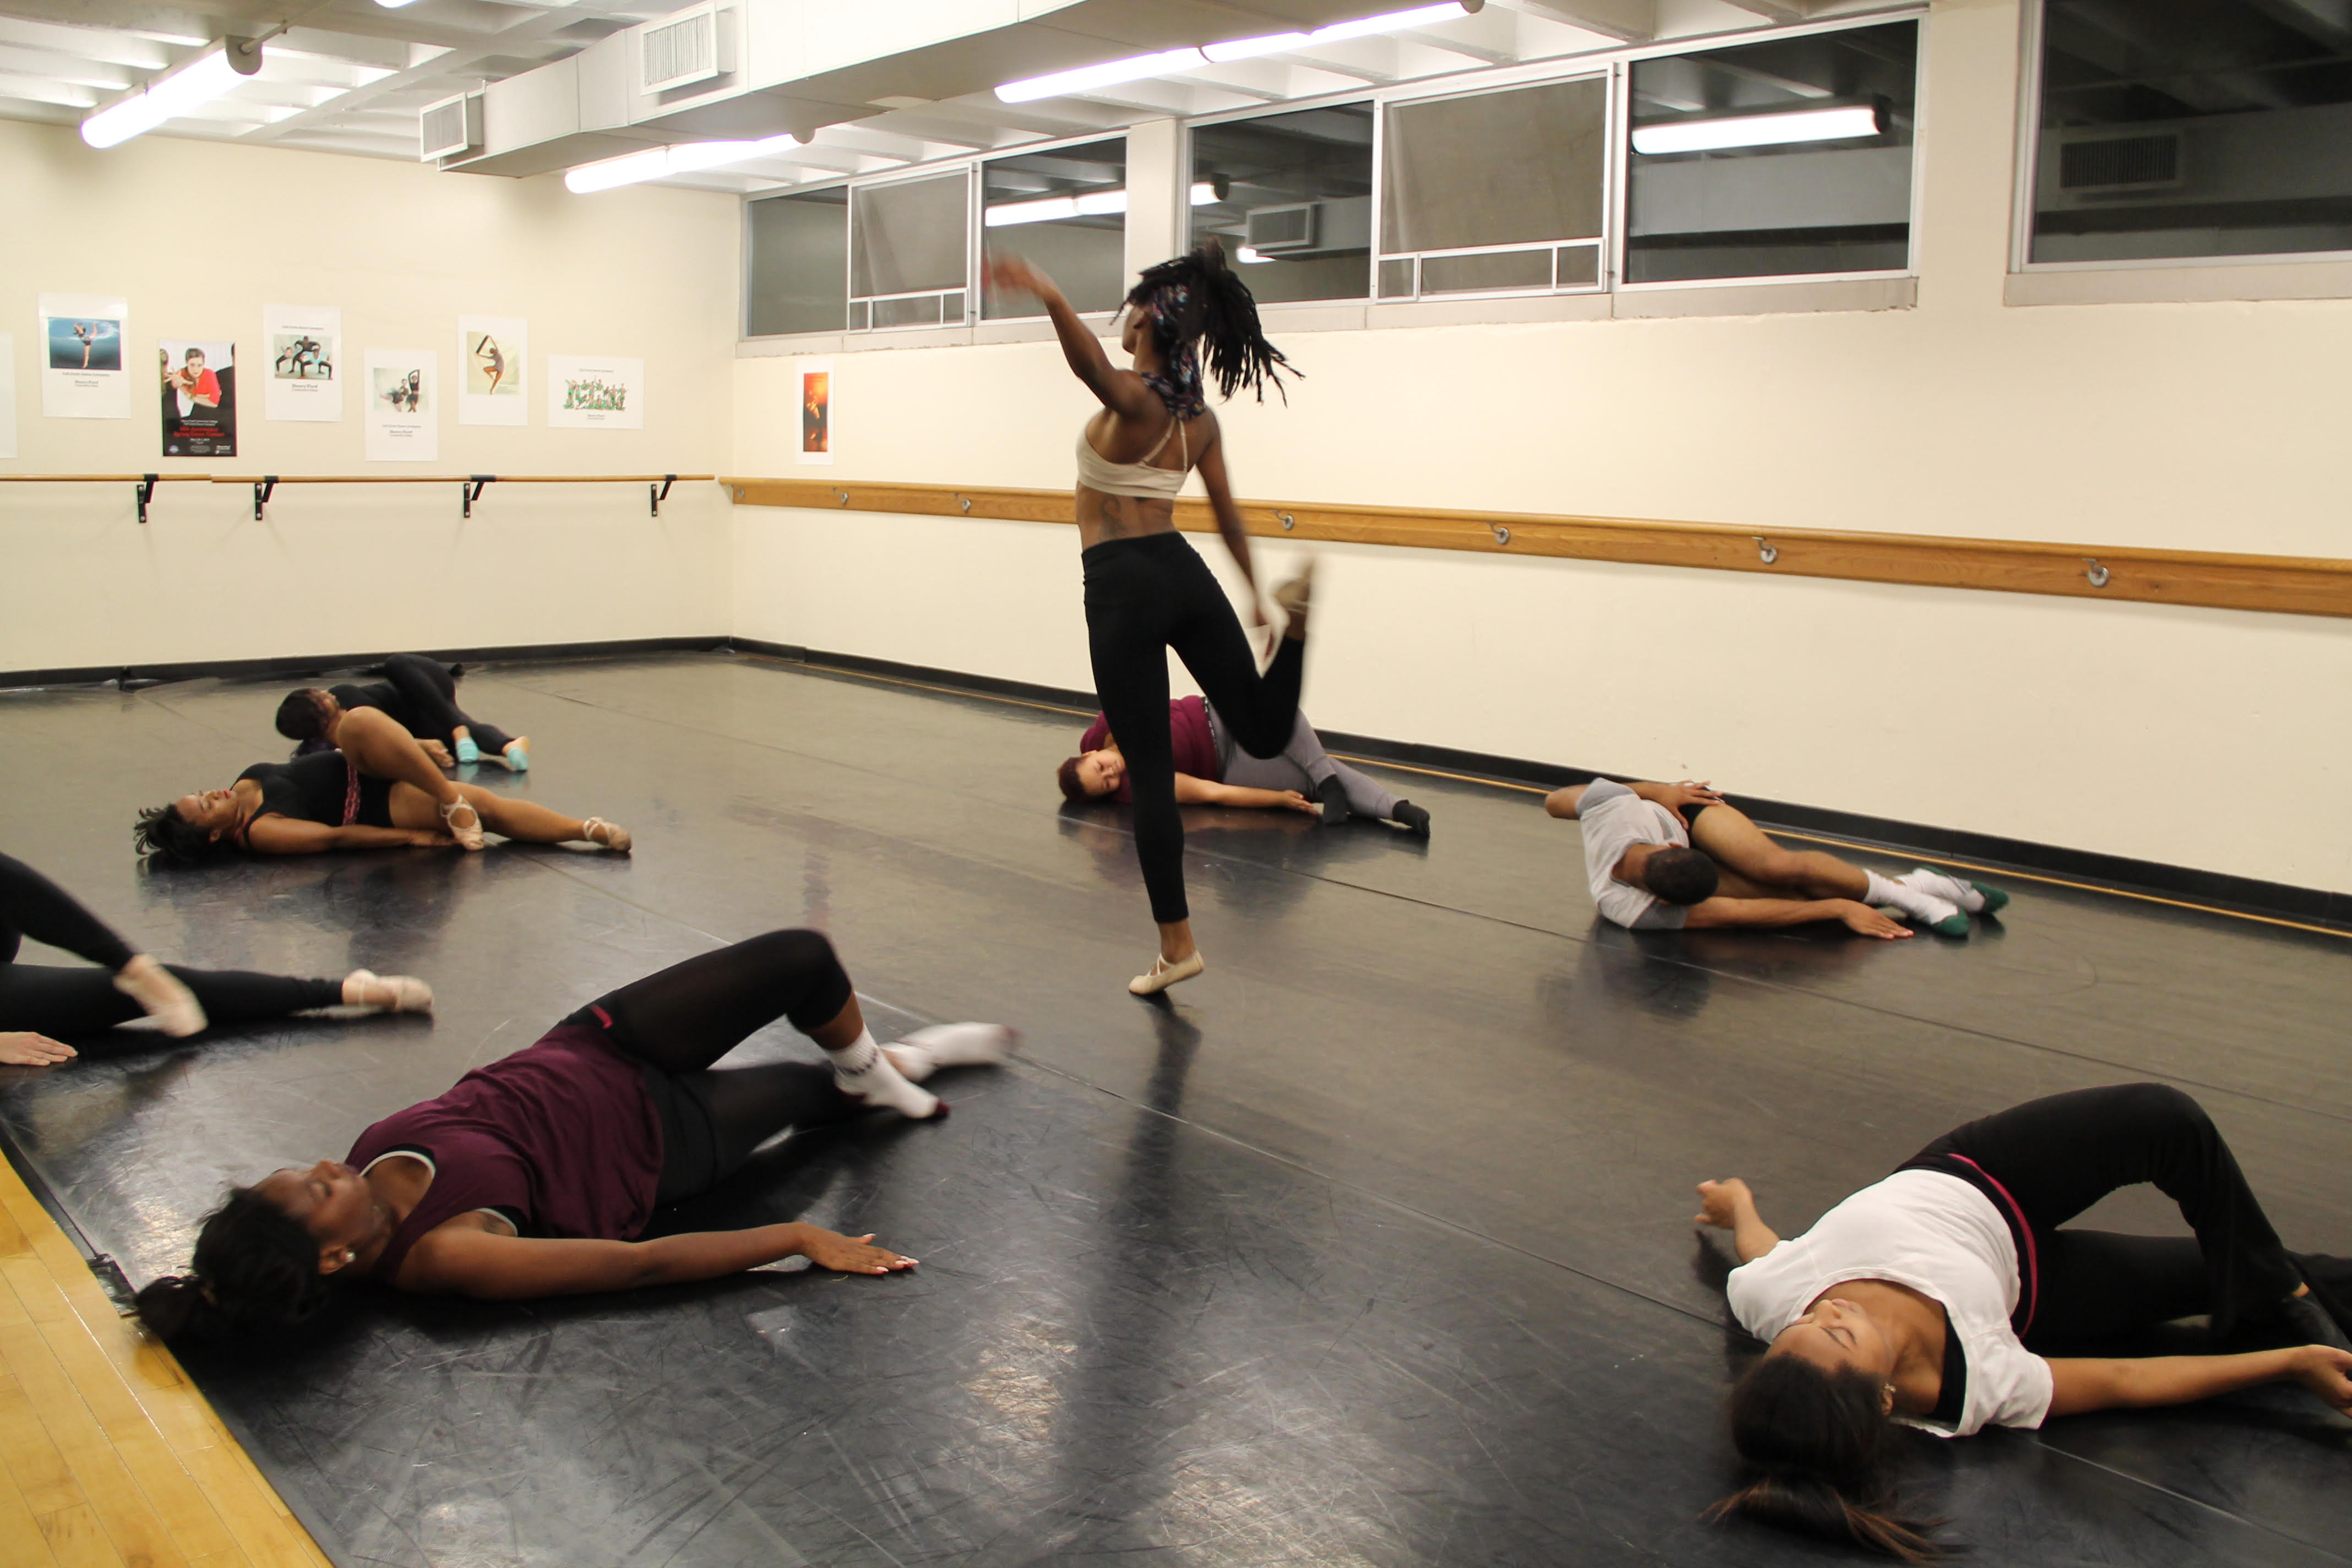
[
  {"x": 1188, "y": 736},
  {"x": 561, "y": 1133}
]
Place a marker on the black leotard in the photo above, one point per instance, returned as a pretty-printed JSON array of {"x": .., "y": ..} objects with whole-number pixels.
[{"x": 322, "y": 787}]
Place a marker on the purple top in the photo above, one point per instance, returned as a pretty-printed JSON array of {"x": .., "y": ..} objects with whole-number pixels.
[
  {"x": 1187, "y": 735},
  {"x": 561, "y": 1133}
]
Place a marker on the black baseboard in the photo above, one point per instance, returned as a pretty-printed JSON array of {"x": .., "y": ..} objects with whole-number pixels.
[{"x": 2241, "y": 895}]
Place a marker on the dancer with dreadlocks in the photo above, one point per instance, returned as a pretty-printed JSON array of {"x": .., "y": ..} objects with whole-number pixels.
[{"x": 1146, "y": 590}]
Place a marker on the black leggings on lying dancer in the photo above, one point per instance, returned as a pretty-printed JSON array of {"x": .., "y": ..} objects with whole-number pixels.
[
  {"x": 61, "y": 1002},
  {"x": 423, "y": 698},
  {"x": 1145, "y": 596}
]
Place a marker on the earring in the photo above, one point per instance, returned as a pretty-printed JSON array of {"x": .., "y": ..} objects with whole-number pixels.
[{"x": 349, "y": 1255}]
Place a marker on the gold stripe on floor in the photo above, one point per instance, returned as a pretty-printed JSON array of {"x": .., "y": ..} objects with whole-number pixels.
[{"x": 108, "y": 1456}]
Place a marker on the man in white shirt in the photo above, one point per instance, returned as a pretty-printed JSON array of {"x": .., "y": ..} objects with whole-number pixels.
[{"x": 1649, "y": 868}]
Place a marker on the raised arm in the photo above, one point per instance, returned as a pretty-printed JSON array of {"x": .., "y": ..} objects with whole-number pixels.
[
  {"x": 2078, "y": 1386},
  {"x": 1728, "y": 1204},
  {"x": 1121, "y": 391},
  {"x": 456, "y": 1260}
]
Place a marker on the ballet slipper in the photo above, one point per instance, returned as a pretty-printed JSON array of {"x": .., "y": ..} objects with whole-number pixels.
[
  {"x": 615, "y": 837},
  {"x": 1164, "y": 974},
  {"x": 409, "y": 994},
  {"x": 927, "y": 1050},
  {"x": 159, "y": 992},
  {"x": 1295, "y": 595},
  {"x": 469, "y": 838},
  {"x": 517, "y": 756},
  {"x": 468, "y": 752}
]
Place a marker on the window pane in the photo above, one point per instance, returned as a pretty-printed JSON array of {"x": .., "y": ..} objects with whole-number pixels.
[
  {"x": 1497, "y": 168},
  {"x": 799, "y": 263},
  {"x": 2193, "y": 127},
  {"x": 908, "y": 236},
  {"x": 1495, "y": 269},
  {"x": 1025, "y": 209},
  {"x": 1396, "y": 279},
  {"x": 1580, "y": 266},
  {"x": 1319, "y": 158},
  {"x": 1746, "y": 207}
]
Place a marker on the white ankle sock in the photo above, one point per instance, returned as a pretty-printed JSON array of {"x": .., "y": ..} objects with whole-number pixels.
[
  {"x": 936, "y": 1046},
  {"x": 1910, "y": 900},
  {"x": 861, "y": 1071}
]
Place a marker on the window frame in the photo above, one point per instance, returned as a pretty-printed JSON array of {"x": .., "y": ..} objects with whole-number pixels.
[
  {"x": 1366, "y": 95},
  {"x": 2027, "y": 171},
  {"x": 913, "y": 174},
  {"x": 979, "y": 162}
]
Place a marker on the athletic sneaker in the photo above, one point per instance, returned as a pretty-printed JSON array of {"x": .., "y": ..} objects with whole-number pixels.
[{"x": 1974, "y": 897}]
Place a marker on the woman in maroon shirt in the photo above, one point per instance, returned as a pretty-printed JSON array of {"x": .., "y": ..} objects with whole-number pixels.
[{"x": 533, "y": 1174}]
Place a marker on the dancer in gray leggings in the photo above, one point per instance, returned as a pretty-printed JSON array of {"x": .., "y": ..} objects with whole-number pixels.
[{"x": 1212, "y": 770}]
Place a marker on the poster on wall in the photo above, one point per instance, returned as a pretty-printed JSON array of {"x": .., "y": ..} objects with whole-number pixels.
[
  {"x": 816, "y": 410},
  {"x": 199, "y": 397},
  {"x": 83, "y": 337},
  {"x": 404, "y": 417},
  {"x": 305, "y": 344},
  {"x": 590, "y": 392},
  {"x": 7, "y": 394},
  {"x": 493, "y": 350}
]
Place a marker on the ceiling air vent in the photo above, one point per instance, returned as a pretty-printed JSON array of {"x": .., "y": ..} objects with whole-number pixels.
[
  {"x": 681, "y": 49},
  {"x": 2120, "y": 163},
  {"x": 450, "y": 128},
  {"x": 1276, "y": 229}
]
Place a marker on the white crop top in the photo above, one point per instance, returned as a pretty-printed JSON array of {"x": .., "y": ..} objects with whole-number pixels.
[{"x": 1142, "y": 479}]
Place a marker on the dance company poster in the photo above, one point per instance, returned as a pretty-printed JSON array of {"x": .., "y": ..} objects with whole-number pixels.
[
  {"x": 493, "y": 350},
  {"x": 83, "y": 341},
  {"x": 404, "y": 417},
  {"x": 7, "y": 394},
  {"x": 199, "y": 397},
  {"x": 816, "y": 410},
  {"x": 594, "y": 394},
  {"x": 305, "y": 344}
]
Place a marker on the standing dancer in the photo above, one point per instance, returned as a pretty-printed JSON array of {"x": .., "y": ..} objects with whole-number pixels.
[{"x": 1146, "y": 590}]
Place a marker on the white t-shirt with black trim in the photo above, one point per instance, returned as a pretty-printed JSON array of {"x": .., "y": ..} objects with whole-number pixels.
[{"x": 1941, "y": 1238}]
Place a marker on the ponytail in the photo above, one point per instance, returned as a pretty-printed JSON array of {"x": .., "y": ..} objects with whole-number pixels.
[
  {"x": 1822, "y": 1455},
  {"x": 1196, "y": 298},
  {"x": 256, "y": 1269}
]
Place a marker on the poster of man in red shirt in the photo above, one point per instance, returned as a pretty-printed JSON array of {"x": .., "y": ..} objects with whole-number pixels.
[{"x": 199, "y": 399}]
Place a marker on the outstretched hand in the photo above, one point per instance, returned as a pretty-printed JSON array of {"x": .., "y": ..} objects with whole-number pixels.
[
  {"x": 1862, "y": 918},
  {"x": 1297, "y": 802},
  {"x": 2326, "y": 1372},
  {"x": 845, "y": 1255},
  {"x": 1016, "y": 274},
  {"x": 1722, "y": 1203},
  {"x": 23, "y": 1048}
]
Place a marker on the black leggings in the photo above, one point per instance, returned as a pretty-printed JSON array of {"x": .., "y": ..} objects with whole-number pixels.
[
  {"x": 1145, "y": 596},
  {"x": 2059, "y": 1156},
  {"x": 67, "y": 1002},
  {"x": 429, "y": 694},
  {"x": 686, "y": 1017}
]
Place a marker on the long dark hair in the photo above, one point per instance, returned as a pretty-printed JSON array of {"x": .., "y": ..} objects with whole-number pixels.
[
  {"x": 1822, "y": 1457},
  {"x": 255, "y": 1269},
  {"x": 1196, "y": 298},
  {"x": 163, "y": 832}
]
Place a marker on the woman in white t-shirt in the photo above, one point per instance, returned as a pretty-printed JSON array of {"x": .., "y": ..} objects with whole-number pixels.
[{"x": 1913, "y": 1299}]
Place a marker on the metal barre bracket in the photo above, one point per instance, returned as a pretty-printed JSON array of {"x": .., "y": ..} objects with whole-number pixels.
[
  {"x": 263, "y": 489},
  {"x": 146, "y": 493},
  {"x": 661, "y": 494},
  {"x": 1765, "y": 552},
  {"x": 2098, "y": 575},
  {"x": 470, "y": 487},
  {"x": 1287, "y": 522}
]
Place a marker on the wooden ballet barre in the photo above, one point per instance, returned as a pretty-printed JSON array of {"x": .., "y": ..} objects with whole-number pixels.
[
  {"x": 2281, "y": 584},
  {"x": 146, "y": 482},
  {"x": 471, "y": 486}
]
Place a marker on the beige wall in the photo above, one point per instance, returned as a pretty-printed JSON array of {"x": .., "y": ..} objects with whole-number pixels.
[
  {"x": 198, "y": 238},
  {"x": 2100, "y": 727}
]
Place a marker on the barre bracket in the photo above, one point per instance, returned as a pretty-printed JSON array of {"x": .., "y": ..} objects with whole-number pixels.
[
  {"x": 662, "y": 493},
  {"x": 146, "y": 493},
  {"x": 263, "y": 489},
  {"x": 471, "y": 488}
]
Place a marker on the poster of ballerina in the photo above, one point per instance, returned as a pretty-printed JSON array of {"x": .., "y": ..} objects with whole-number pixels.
[
  {"x": 596, "y": 393},
  {"x": 305, "y": 344},
  {"x": 199, "y": 397},
  {"x": 404, "y": 417},
  {"x": 83, "y": 337},
  {"x": 492, "y": 351},
  {"x": 816, "y": 410}
]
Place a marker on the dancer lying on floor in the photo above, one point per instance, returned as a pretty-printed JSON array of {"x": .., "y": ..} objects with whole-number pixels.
[
  {"x": 421, "y": 696},
  {"x": 530, "y": 1176},
  {"x": 1648, "y": 869},
  {"x": 378, "y": 792},
  {"x": 1915, "y": 1300},
  {"x": 1146, "y": 590},
  {"x": 1210, "y": 770},
  {"x": 42, "y": 1004}
]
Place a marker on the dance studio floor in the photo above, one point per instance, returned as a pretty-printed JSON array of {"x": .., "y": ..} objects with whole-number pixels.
[{"x": 1374, "y": 1248}]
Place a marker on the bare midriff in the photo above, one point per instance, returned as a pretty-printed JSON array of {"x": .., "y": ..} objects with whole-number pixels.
[{"x": 1102, "y": 517}]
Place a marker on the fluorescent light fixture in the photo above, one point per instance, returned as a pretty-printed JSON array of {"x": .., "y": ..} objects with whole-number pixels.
[
  {"x": 192, "y": 85},
  {"x": 394, "y": 5},
  {"x": 1110, "y": 73},
  {"x": 1046, "y": 209},
  {"x": 1363, "y": 27},
  {"x": 1204, "y": 193},
  {"x": 1760, "y": 130},
  {"x": 660, "y": 162},
  {"x": 1243, "y": 253}
]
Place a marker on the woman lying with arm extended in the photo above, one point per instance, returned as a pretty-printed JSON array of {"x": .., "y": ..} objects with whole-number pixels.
[
  {"x": 532, "y": 1175},
  {"x": 379, "y": 792},
  {"x": 1210, "y": 770},
  {"x": 1914, "y": 1301},
  {"x": 421, "y": 696}
]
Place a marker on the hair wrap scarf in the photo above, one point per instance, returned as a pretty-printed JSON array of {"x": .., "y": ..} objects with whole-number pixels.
[{"x": 1179, "y": 385}]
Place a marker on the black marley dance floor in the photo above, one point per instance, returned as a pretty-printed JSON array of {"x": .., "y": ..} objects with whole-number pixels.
[{"x": 1371, "y": 1247}]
